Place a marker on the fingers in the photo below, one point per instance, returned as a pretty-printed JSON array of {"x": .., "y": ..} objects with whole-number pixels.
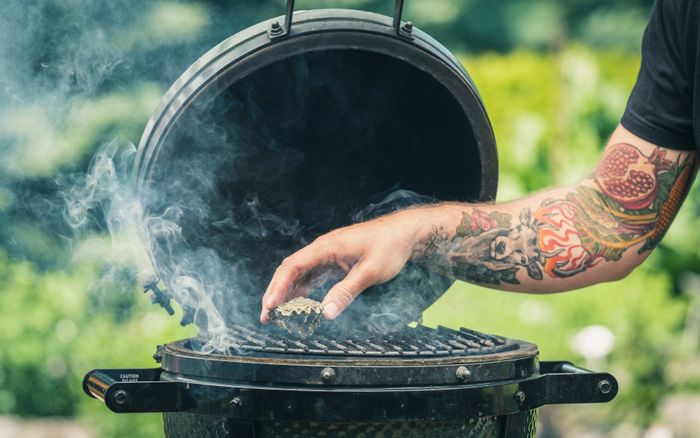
[
  {"x": 339, "y": 297},
  {"x": 292, "y": 269},
  {"x": 294, "y": 292},
  {"x": 315, "y": 278}
]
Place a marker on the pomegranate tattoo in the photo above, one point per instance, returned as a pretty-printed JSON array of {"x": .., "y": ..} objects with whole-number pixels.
[{"x": 629, "y": 177}]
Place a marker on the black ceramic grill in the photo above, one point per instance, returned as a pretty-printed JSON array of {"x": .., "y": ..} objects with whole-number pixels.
[
  {"x": 282, "y": 132},
  {"x": 418, "y": 382}
]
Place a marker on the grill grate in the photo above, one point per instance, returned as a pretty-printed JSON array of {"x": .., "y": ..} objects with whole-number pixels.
[{"x": 418, "y": 341}]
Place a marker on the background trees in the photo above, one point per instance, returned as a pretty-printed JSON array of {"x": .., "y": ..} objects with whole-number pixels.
[{"x": 75, "y": 74}]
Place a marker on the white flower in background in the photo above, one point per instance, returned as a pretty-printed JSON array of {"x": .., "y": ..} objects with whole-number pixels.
[
  {"x": 658, "y": 431},
  {"x": 535, "y": 312},
  {"x": 593, "y": 342}
]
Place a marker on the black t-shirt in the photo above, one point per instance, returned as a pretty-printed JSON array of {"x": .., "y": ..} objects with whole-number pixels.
[{"x": 664, "y": 107}]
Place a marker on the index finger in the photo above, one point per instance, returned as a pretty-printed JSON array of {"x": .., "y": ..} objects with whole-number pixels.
[{"x": 292, "y": 269}]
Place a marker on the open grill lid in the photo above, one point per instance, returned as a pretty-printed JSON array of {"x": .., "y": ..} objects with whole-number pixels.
[{"x": 275, "y": 137}]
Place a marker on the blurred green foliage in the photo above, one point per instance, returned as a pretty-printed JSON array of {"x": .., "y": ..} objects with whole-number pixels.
[
  {"x": 57, "y": 325},
  {"x": 554, "y": 75},
  {"x": 551, "y": 116}
]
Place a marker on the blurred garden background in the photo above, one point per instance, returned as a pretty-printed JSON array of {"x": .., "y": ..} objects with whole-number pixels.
[{"x": 554, "y": 75}]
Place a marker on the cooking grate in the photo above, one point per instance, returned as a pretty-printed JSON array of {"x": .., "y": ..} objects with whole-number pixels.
[{"x": 418, "y": 341}]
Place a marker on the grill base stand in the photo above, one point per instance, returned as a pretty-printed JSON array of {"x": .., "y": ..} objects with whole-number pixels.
[{"x": 185, "y": 425}]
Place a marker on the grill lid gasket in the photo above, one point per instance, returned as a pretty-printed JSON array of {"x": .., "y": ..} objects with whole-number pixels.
[{"x": 503, "y": 359}]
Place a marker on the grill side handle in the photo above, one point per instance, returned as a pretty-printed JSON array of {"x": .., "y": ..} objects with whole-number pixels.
[
  {"x": 564, "y": 383},
  {"x": 136, "y": 390},
  {"x": 96, "y": 383}
]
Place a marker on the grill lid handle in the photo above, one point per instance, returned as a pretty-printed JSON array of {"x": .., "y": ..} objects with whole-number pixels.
[
  {"x": 403, "y": 31},
  {"x": 398, "y": 12}
]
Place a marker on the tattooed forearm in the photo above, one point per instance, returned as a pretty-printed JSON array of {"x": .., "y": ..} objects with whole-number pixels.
[
  {"x": 487, "y": 249},
  {"x": 629, "y": 201}
]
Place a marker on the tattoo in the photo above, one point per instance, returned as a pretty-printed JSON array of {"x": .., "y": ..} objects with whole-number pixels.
[
  {"x": 437, "y": 240},
  {"x": 629, "y": 200},
  {"x": 486, "y": 249}
]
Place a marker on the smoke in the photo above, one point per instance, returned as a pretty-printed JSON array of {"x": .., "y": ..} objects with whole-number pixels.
[
  {"x": 105, "y": 193},
  {"x": 104, "y": 187},
  {"x": 75, "y": 74},
  {"x": 213, "y": 291},
  {"x": 243, "y": 179},
  {"x": 396, "y": 200}
]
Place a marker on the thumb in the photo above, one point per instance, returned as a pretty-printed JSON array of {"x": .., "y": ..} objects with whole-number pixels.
[{"x": 339, "y": 297}]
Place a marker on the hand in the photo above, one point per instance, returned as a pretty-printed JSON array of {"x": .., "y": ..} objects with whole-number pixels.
[{"x": 364, "y": 254}]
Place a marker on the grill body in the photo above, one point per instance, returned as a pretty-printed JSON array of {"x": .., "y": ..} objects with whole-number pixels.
[
  {"x": 412, "y": 357},
  {"x": 280, "y": 134},
  {"x": 415, "y": 382},
  {"x": 323, "y": 380},
  {"x": 179, "y": 425}
]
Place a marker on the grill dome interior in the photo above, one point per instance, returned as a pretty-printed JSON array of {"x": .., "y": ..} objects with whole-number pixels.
[{"x": 262, "y": 165}]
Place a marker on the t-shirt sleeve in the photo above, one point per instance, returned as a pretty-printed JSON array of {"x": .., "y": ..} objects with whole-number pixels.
[{"x": 659, "y": 109}]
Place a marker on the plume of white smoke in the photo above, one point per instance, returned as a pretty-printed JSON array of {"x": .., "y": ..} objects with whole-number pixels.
[{"x": 105, "y": 194}]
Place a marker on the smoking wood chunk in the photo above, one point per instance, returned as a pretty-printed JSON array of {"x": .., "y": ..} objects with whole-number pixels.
[{"x": 300, "y": 316}]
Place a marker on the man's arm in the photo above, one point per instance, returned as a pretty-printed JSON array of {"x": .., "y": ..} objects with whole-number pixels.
[
  {"x": 556, "y": 240},
  {"x": 567, "y": 238}
]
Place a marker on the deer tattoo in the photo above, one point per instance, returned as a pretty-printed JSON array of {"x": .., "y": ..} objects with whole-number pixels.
[{"x": 501, "y": 249}]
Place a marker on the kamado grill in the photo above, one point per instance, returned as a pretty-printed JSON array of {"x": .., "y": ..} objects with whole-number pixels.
[
  {"x": 280, "y": 133},
  {"x": 419, "y": 382}
]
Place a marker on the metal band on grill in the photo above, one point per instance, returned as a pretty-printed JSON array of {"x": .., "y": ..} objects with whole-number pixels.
[{"x": 415, "y": 356}]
